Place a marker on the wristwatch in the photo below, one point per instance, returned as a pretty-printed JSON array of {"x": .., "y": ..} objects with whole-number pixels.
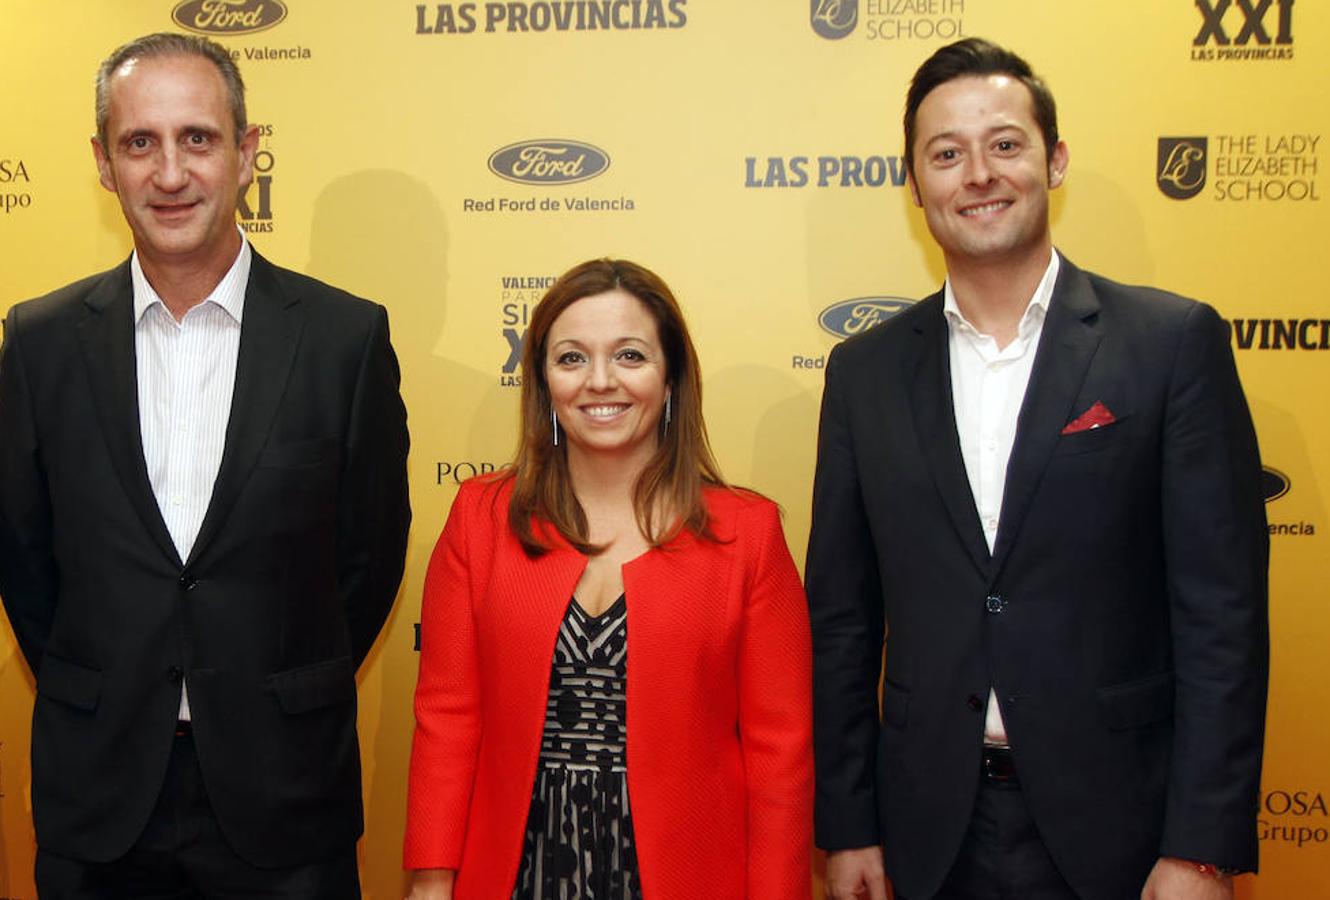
[{"x": 1212, "y": 869}]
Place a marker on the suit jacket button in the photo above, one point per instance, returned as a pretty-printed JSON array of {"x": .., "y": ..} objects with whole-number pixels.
[
  {"x": 175, "y": 674},
  {"x": 994, "y": 603},
  {"x": 974, "y": 702},
  {"x": 187, "y": 582}
]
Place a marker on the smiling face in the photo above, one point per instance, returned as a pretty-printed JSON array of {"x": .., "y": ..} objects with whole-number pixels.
[
  {"x": 606, "y": 372},
  {"x": 981, "y": 173},
  {"x": 172, "y": 158}
]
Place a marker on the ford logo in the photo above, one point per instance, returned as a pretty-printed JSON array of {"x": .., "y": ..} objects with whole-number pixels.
[
  {"x": 548, "y": 162},
  {"x": 228, "y": 16},
  {"x": 850, "y": 317},
  {"x": 1274, "y": 484}
]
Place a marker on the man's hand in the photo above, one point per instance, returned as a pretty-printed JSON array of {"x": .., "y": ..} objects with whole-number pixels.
[
  {"x": 856, "y": 875},
  {"x": 1177, "y": 879}
]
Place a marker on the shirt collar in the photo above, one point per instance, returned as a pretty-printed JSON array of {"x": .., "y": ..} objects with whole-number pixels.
[
  {"x": 1035, "y": 310},
  {"x": 229, "y": 293}
]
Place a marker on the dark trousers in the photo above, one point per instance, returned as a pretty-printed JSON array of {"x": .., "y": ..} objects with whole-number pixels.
[
  {"x": 1002, "y": 856},
  {"x": 182, "y": 855}
]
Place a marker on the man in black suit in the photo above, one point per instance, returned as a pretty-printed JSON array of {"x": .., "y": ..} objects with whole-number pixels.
[
  {"x": 1041, "y": 489},
  {"x": 203, "y": 516}
]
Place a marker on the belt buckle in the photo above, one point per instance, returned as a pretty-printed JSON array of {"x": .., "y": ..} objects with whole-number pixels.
[{"x": 998, "y": 765}]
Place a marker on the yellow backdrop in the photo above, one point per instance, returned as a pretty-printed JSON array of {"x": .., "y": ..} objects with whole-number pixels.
[{"x": 448, "y": 159}]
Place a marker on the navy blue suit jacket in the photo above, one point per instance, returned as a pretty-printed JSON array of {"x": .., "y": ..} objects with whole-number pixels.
[{"x": 1127, "y": 641}]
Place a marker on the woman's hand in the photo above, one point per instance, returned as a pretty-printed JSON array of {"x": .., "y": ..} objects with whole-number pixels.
[{"x": 432, "y": 884}]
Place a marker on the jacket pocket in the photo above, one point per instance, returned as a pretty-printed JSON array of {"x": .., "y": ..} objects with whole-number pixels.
[
  {"x": 69, "y": 683},
  {"x": 895, "y": 704},
  {"x": 1133, "y": 704},
  {"x": 299, "y": 454},
  {"x": 1090, "y": 440},
  {"x": 312, "y": 687}
]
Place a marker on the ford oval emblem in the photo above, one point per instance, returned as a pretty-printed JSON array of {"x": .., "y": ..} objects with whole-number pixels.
[
  {"x": 850, "y": 317},
  {"x": 1274, "y": 484},
  {"x": 548, "y": 162},
  {"x": 228, "y": 16}
]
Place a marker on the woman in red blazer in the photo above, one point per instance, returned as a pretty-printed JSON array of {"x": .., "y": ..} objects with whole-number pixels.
[{"x": 613, "y": 511}]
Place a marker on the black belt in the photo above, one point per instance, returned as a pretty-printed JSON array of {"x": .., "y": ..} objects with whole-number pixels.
[{"x": 999, "y": 765}]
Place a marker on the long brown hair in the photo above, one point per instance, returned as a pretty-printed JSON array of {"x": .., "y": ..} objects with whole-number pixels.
[{"x": 668, "y": 495}]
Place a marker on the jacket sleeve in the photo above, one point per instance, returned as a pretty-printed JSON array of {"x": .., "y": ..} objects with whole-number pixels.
[
  {"x": 775, "y": 717},
  {"x": 447, "y": 735},
  {"x": 846, "y": 610},
  {"x": 1216, "y": 555},
  {"x": 374, "y": 511},
  {"x": 29, "y": 580}
]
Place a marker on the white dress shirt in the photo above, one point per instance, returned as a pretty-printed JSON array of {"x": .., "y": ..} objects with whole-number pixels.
[
  {"x": 186, "y": 375},
  {"x": 987, "y": 388}
]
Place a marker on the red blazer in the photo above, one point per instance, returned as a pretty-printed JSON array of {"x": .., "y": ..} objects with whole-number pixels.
[{"x": 720, "y": 768}]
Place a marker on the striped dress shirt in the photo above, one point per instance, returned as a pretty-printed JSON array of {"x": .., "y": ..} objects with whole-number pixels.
[{"x": 186, "y": 374}]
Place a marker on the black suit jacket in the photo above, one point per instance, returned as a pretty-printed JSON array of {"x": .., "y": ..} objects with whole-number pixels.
[
  {"x": 291, "y": 577},
  {"x": 1121, "y": 617}
]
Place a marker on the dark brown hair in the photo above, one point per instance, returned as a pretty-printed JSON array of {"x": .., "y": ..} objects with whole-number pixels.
[
  {"x": 672, "y": 482},
  {"x": 976, "y": 57}
]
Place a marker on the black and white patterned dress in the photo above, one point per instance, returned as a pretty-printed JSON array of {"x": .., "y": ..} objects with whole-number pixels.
[{"x": 579, "y": 835}]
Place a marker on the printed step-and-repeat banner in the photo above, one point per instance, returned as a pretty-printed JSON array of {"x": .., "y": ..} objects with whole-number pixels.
[{"x": 450, "y": 159}]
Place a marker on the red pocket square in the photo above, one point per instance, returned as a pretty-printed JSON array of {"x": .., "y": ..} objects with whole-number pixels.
[{"x": 1094, "y": 417}]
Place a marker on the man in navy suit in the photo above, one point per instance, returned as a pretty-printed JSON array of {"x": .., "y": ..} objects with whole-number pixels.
[
  {"x": 1041, "y": 490},
  {"x": 203, "y": 518}
]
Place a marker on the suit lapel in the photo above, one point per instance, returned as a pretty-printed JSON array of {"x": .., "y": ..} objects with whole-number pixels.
[
  {"x": 270, "y": 331},
  {"x": 935, "y": 423},
  {"x": 106, "y": 339},
  {"x": 1066, "y": 347}
]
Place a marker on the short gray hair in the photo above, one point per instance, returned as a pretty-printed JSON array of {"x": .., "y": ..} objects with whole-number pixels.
[{"x": 168, "y": 43}]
